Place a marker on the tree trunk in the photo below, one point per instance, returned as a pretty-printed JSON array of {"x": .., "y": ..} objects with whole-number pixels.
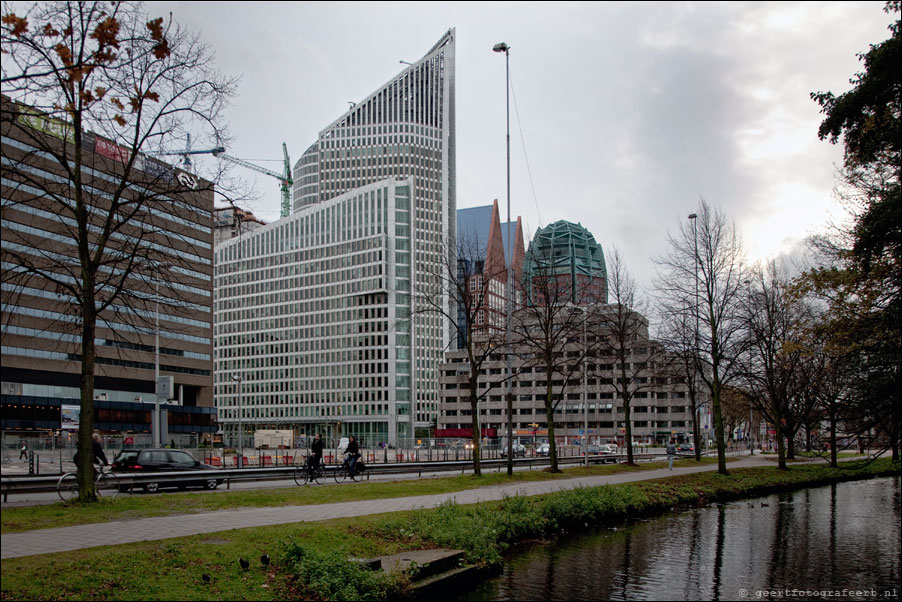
[
  {"x": 696, "y": 431},
  {"x": 549, "y": 416},
  {"x": 833, "y": 441},
  {"x": 85, "y": 467},
  {"x": 718, "y": 426},
  {"x": 474, "y": 410},
  {"x": 781, "y": 450}
]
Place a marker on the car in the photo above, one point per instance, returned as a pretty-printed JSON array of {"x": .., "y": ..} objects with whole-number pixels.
[
  {"x": 608, "y": 449},
  {"x": 519, "y": 451},
  {"x": 543, "y": 449},
  {"x": 685, "y": 448},
  {"x": 594, "y": 450},
  {"x": 164, "y": 460}
]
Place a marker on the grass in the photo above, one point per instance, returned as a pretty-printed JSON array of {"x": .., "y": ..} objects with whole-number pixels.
[
  {"x": 309, "y": 559},
  {"x": 129, "y": 507}
]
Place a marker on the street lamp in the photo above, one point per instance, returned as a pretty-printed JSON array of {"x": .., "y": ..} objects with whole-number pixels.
[
  {"x": 236, "y": 378},
  {"x": 509, "y": 260}
]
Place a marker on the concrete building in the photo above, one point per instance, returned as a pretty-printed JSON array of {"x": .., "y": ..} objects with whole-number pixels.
[
  {"x": 314, "y": 312},
  {"x": 566, "y": 257},
  {"x": 229, "y": 222},
  {"x": 659, "y": 408},
  {"x": 161, "y": 258}
]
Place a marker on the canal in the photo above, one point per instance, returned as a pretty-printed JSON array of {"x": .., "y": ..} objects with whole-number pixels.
[{"x": 836, "y": 542}]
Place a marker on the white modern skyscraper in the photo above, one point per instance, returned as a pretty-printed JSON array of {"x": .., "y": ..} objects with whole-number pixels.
[{"x": 313, "y": 312}]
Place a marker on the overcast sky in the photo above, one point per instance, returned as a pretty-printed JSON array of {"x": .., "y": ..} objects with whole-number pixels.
[{"x": 629, "y": 112}]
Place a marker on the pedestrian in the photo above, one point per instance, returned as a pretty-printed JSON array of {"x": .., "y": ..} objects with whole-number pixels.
[
  {"x": 23, "y": 453},
  {"x": 671, "y": 453}
]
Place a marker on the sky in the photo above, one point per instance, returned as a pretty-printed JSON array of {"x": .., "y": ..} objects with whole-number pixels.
[{"x": 624, "y": 115}]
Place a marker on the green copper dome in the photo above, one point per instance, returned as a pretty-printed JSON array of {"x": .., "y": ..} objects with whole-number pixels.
[{"x": 570, "y": 254}]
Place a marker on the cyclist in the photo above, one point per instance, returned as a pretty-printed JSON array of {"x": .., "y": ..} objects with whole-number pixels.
[
  {"x": 96, "y": 451},
  {"x": 316, "y": 453},
  {"x": 353, "y": 454}
]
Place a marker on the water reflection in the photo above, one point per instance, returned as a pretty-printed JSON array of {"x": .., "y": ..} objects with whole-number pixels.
[{"x": 841, "y": 537}]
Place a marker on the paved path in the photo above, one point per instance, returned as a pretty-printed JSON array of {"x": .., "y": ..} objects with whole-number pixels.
[{"x": 64, "y": 539}]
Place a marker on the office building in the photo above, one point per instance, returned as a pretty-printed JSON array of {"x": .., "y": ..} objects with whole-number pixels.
[
  {"x": 167, "y": 292},
  {"x": 571, "y": 263},
  {"x": 483, "y": 264},
  {"x": 316, "y": 329}
]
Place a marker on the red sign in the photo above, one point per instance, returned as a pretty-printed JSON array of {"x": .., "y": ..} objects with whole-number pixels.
[
  {"x": 460, "y": 433},
  {"x": 111, "y": 150}
]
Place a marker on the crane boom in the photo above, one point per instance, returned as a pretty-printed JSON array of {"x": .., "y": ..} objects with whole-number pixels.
[{"x": 285, "y": 177}]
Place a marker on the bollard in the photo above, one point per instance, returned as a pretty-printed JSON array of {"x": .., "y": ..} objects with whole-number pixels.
[{"x": 30, "y": 461}]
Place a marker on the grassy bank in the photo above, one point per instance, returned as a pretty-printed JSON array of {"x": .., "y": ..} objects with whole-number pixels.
[
  {"x": 309, "y": 558},
  {"x": 129, "y": 507}
]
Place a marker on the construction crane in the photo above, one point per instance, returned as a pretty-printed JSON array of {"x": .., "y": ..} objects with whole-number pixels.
[{"x": 284, "y": 178}]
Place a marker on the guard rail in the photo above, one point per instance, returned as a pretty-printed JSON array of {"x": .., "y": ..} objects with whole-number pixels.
[{"x": 35, "y": 484}]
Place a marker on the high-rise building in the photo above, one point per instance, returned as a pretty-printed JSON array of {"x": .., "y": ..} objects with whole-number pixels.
[
  {"x": 570, "y": 263},
  {"x": 316, "y": 328},
  {"x": 484, "y": 257},
  {"x": 159, "y": 263}
]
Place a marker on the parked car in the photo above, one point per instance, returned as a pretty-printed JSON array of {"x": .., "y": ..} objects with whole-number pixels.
[
  {"x": 519, "y": 451},
  {"x": 164, "y": 460},
  {"x": 685, "y": 448},
  {"x": 543, "y": 449}
]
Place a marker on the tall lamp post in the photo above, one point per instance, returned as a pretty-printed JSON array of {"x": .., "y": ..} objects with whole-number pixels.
[
  {"x": 156, "y": 432},
  {"x": 237, "y": 380},
  {"x": 585, "y": 388},
  {"x": 502, "y": 47}
]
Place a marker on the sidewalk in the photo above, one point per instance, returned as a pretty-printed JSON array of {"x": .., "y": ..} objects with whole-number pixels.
[{"x": 64, "y": 539}]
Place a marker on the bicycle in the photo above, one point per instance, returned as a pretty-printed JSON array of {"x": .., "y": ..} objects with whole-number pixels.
[
  {"x": 106, "y": 484},
  {"x": 343, "y": 471},
  {"x": 303, "y": 474}
]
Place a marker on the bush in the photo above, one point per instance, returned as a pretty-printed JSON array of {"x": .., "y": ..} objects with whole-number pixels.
[{"x": 330, "y": 575}]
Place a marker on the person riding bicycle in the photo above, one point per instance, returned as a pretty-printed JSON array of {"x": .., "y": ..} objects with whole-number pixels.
[
  {"x": 353, "y": 454},
  {"x": 96, "y": 451},
  {"x": 316, "y": 452}
]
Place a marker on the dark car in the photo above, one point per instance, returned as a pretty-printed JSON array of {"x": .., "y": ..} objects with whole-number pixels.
[
  {"x": 164, "y": 460},
  {"x": 685, "y": 448}
]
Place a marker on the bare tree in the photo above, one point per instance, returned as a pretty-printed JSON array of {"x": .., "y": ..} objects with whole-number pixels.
[
  {"x": 89, "y": 88},
  {"x": 475, "y": 283},
  {"x": 682, "y": 363},
  {"x": 772, "y": 365},
  {"x": 703, "y": 271},
  {"x": 550, "y": 331},
  {"x": 622, "y": 323}
]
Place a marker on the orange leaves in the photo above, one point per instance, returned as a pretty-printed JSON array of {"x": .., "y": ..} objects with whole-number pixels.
[
  {"x": 161, "y": 49},
  {"x": 49, "y": 31},
  {"x": 18, "y": 24},
  {"x": 156, "y": 29},
  {"x": 106, "y": 33},
  {"x": 64, "y": 53},
  {"x": 120, "y": 120}
]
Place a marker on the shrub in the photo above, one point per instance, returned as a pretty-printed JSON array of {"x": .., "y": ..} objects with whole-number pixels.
[{"x": 329, "y": 575}]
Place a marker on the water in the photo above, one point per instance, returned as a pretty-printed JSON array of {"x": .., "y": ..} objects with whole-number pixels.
[{"x": 826, "y": 540}]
